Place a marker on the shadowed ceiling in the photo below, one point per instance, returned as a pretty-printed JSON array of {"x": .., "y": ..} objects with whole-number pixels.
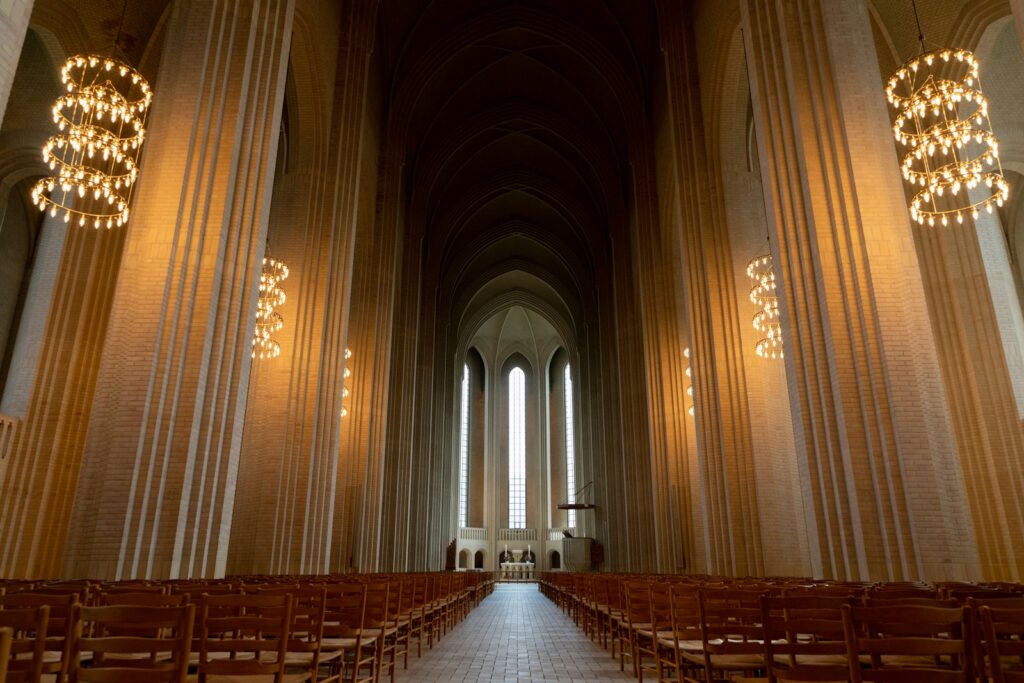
[{"x": 515, "y": 120}]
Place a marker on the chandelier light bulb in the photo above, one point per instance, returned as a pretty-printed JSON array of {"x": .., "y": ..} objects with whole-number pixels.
[
  {"x": 943, "y": 129},
  {"x": 100, "y": 123}
]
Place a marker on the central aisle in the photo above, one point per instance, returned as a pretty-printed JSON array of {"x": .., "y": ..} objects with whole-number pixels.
[{"x": 516, "y": 634}]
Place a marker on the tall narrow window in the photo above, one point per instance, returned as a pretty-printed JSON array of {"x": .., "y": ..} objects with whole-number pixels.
[
  {"x": 570, "y": 449},
  {"x": 517, "y": 449},
  {"x": 464, "y": 451}
]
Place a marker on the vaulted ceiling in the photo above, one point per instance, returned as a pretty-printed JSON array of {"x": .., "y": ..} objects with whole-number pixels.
[{"x": 515, "y": 121}]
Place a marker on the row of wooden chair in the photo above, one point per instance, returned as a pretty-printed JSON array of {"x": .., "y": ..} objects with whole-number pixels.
[
  {"x": 320, "y": 629},
  {"x": 695, "y": 629}
]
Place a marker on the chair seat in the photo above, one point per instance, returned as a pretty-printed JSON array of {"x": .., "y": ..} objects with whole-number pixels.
[
  {"x": 306, "y": 658},
  {"x": 260, "y": 678},
  {"x": 684, "y": 645},
  {"x": 727, "y": 662},
  {"x": 648, "y": 633},
  {"x": 813, "y": 660},
  {"x": 329, "y": 644}
]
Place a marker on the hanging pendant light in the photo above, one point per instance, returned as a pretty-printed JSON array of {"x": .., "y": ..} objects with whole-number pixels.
[
  {"x": 93, "y": 158},
  {"x": 268, "y": 319},
  {"x": 689, "y": 390},
  {"x": 950, "y": 155},
  {"x": 347, "y": 375},
  {"x": 767, "y": 319}
]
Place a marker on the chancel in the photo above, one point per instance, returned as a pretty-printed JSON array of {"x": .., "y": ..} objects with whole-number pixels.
[{"x": 511, "y": 326}]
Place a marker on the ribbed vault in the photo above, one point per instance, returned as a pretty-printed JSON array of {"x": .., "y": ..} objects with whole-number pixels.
[{"x": 511, "y": 134}]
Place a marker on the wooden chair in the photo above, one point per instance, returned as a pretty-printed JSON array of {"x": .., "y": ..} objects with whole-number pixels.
[
  {"x": 1003, "y": 630},
  {"x": 129, "y": 643},
  {"x": 908, "y": 644},
  {"x": 1002, "y": 600},
  {"x": 684, "y": 633},
  {"x": 24, "y": 660},
  {"x": 637, "y": 615},
  {"x": 60, "y": 604},
  {"x": 648, "y": 639},
  {"x": 309, "y": 605},
  {"x": 343, "y": 633},
  {"x": 418, "y": 614},
  {"x": 375, "y": 621},
  {"x": 730, "y": 626},
  {"x": 244, "y": 638},
  {"x": 804, "y": 638},
  {"x": 393, "y": 631},
  {"x": 403, "y": 618}
]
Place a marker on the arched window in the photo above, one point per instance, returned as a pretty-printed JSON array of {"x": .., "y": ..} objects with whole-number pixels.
[
  {"x": 464, "y": 451},
  {"x": 517, "y": 449},
  {"x": 570, "y": 450}
]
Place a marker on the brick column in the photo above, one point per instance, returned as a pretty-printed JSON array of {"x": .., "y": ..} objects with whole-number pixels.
[
  {"x": 883, "y": 494},
  {"x": 14, "y": 15},
  {"x": 160, "y": 463},
  {"x": 728, "y": 487},
  {"x": 59, "y": 346},
  {"x": 295, "y": 517}
]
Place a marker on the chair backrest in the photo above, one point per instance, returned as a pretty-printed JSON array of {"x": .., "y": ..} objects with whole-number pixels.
[
  {"x": 375, "y": 615},
  {"x": 60, "y": 604},
  {"x": 26, "y": 647},
  {"x": 638, "y": 602},
  {"x": 804, "y": 633},
  {"x": 131, "y": 643},
  {"x": 730, "y": 621},
  {"x": 909, "y": 643},
  {"x": 407, "y": 602},
  {"x": 244, "y": 635},
  {"x": 1003, "y": 630},
  {"x": 395, "y": 599},
  {"x": 309, "y": 606},
  {"x": 916, "y": 601},
  {"x": 661, "y": 606},
  {"x": 345, "y": 608},
  {"x": 685, "y": 613},
  {"x": 148, "y": 599}
]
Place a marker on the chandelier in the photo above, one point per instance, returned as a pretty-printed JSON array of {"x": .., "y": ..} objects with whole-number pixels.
[
  {"x": 268, "y": 320},
  {"x": 762, "y": 294},
  {"x": 93, "y": 158},
  {"x": 345, "y": 392},
  {"x": 951, "y": 156},
  {"x": 689, "y": 376}
]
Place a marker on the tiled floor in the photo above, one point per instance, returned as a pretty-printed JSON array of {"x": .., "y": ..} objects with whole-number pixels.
[{"x": 516, "y": 634}]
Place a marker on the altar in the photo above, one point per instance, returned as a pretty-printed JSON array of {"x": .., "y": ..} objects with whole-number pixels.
[{"x": 516, "y": 571}]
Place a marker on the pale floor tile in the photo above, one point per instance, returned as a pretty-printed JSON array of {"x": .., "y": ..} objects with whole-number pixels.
[{"x": 516, "y": 634}]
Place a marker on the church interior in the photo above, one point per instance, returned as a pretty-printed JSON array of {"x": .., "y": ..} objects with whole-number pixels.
[{"x": 620, "y": 315}]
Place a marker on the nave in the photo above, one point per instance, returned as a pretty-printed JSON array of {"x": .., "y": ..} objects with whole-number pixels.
[{"x": 516, "y": 634}]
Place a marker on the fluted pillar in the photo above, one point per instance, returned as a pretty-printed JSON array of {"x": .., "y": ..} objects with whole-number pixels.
[
  {"x": 294, "y": 463},
  {"x": 729, "y": 500},
  {"x": 883, "y": 495},
  {"x": 656, "y": 246},
  {"x": 161, "y": 458},
  {"x": 58, "y": 354},
  {"x": 14, "y": 15}
]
